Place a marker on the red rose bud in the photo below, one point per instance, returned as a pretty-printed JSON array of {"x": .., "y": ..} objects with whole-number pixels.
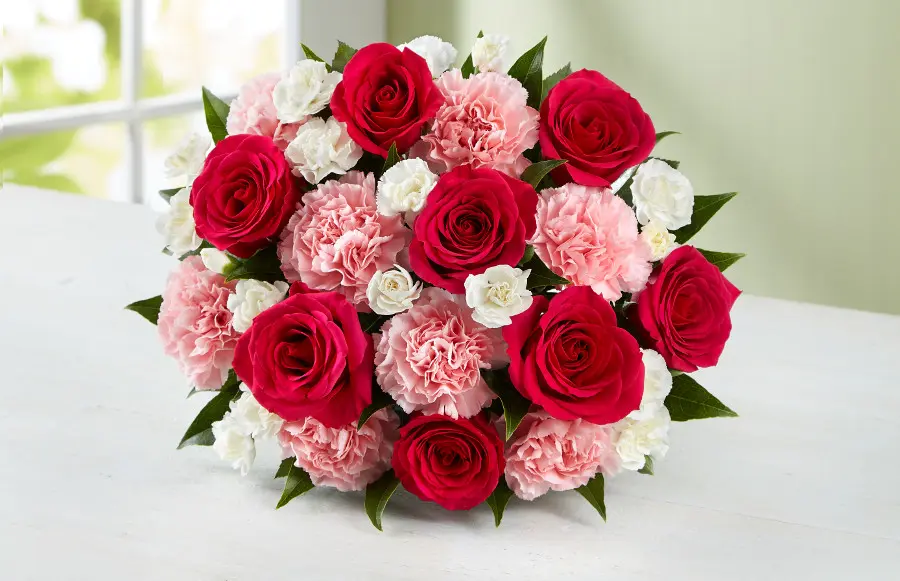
[
  {"x": 455, "y": 463},
  {"x": 596, "y": 126},
  {"x": 245, "y": 194},
  {"x": 568, "y": 356},
  {"x": 473, "y": 219},
  {"x": 386, "y": 96},
  {"x": 685, "y": 313},
  {"x": 308, "y": 356}
]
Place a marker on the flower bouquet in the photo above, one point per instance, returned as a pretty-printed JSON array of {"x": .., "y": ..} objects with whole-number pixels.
[{"x": 470, "y": 282}]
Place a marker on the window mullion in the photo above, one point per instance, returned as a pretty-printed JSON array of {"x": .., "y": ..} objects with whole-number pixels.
[
  {"x": 132, "y": 68},
  {"x": 292, "y": 52}
]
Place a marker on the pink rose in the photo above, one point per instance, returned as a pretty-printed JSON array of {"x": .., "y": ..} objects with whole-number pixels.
[
  {"x": 550, "y": 454},
  {"x": 483, "y": 122},
  {"x": 195, "y": 323},
  {"x": 344, "y": 458},
  {"x": 590, "y": 236},
  {"x": 430, "y": 358},
  {"x": 337, "y": 240}
]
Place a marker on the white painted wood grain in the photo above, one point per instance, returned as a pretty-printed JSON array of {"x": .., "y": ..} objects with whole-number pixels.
[{"x": 804, "y": 485}]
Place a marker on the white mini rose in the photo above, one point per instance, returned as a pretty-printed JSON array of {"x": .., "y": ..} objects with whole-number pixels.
[
  {"x": 660, "y": 241},
  {"x": 215, "y": 260},
  {"x": 646, "y": 436},
  {"x": 439, "y": 55},
  {"x": 657, "y": 383},
  {"x": 404, "y": 188},
  {"x": 498, "y": 294},
  {"x": 233, "y": 445},
  {"x": 392, "y": 291},
  {"x": 252, "y": 419},
  {"x": 320, "y": 148},
  {"x": 250, "y": 298},
  {"x": 304, "y": 90},
  {"x": 489, "y": 52},
  {"x": 177, "y": 225},
  {"x": 662, "y": 193},
  {"x": 188, "y": 158}
]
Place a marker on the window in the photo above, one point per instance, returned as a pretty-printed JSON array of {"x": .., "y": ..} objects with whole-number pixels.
[{"x": 97, "y": 92}]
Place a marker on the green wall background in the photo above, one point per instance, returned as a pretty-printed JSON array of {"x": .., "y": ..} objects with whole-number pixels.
[{"x": 793, "y": 103}]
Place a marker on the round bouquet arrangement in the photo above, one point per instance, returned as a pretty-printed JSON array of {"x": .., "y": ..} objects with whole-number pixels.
[{"x": 470, "y": 282}]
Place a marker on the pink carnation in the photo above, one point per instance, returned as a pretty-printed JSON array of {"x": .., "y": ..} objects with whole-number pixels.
[
  {"x": 337, "y": 241},
  {"x": 590, "y": 236},
  {"x": 430, "y": 358},
  {"x": 195, "y": 323},
  {"x": 557, "y": 454},
  {"x": 253, "y": 111},
  {"x": 344, "y": 458},
  {"x": 483, "y": 122}
]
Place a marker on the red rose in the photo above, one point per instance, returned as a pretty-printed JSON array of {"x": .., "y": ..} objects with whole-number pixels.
[
  {"x": 386, "y": 96},
  {"x": 597, "y": 126},
  {"x": 245, "y": 194},
  {"x": 455, "y": 463},
  {"x": 685, "y": 312},
  {"x": 473, "y": 219},
  {"x": 308, "y": 356},
  {"x": 569, "y": 356}
]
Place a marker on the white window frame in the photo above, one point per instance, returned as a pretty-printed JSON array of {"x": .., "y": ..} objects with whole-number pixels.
[{"x": 325, "y": 20}]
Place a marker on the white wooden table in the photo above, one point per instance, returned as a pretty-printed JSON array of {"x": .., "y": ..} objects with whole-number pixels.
[{"x": 804, "y": 485}]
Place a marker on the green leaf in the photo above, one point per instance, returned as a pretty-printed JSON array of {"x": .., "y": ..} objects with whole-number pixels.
[
  {"x": 342, "y": 56},
  {"x": 167, "y": 194},
  {"x": 705, "y": 207},
  {"x": 721, "y": 260},
  {"x": 648, "y": 466},
  {"x": 371, "y": 322},
  {"x": 380, "y": 400},
  {"x": 593, "y": 493},
  {"x": 377, "y": 496},
  {"x": 194, "y": 391},
  {"x": 624, "y": 190},
  {"x": 392, "y": 159},
  {"x": 541, "y": 275},
  {"x": 313, "y": 56},
  {"x": 527, "y": 70},
  {"x": 689, "y": 400},
  {"x": 298, "y": 482},
  {"x": 670, "y": 162},
  {"x": 468, "y": 67},
  {"x": 529, "y": 254},
  {"x": 199, "y": 433},
  {"x": 663, "y": 134},
  {"x": 147, "y": 308},
  {"x": 216, "y": 111},
  {"x": 499, "y": 499},
  {"x": 535, "y": 172},
  {"x": 264, "y": 265},
  {"x": 515, "y": 406},
  {"x": 285, "y": 467},
  {"x": 556, "y": 77}
]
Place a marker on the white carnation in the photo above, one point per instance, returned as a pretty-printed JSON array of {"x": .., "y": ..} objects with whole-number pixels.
[
  {"x": 657, "y": 384},
  {"x": 250, "y": 298},
  {"x": 233, "y": 445},
  {"x": 404, "y": 188},
  {"x": 498, "y": 294},
  {"x": 489, "y": 52},
  {"x": 646, "y": 436},
  {"x": 252, "y": 419},
  {"x": 304, "y": 90},
  {"x": 177, "y": 225},
  {"x": 439, "y": 55},
  {"x": 392, "y": 291},
  {"x": 662, "y": 193},
  {"x": 188, "y": 158},
  {"x": 215, "y": 260},
  {"x": 660, "y": 241},
  {"x": 321, "y": 148}
]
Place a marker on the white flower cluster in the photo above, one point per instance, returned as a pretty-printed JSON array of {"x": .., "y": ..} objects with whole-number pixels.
[
  {"x": 392, "y": 291},
  {"x": 439, "y": 55},
  {"x": 662, "y": 193},
  {"x": 250, "y": 298},
  {"x": 321, "y": 148},
  {"x": 645, "y": 431},
  {"x": 404, "y": 188},
  {"x": 498, "y": 294},
  {"x": 237, "y": 432},
  {"x": 304, "y": 90},
  {"x": 489, "y": 52},
  {"x": 177, "y": 225},
  {"x": 188, "y": 158}
]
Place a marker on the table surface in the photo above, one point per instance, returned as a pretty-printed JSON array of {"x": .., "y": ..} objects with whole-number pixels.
[{"x": 804, "y": 485}]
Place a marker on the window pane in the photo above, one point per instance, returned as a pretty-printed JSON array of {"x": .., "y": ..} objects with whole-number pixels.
[
  {"x": 161, "y": 137},
  {"x": 60, "y": 52},
  {"x": 209, "y": 42},
  {"x": 87, "y": 161}
]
